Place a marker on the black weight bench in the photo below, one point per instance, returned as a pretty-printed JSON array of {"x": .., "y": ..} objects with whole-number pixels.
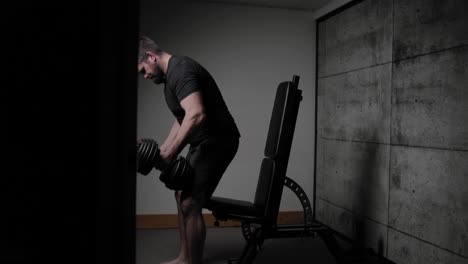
[{"x": 259, "y": 219}]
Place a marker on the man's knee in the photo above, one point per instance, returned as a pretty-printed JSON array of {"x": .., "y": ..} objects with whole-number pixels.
[
  {"x": 190, "y": 206},
  {"x": 178, "y": 196}
]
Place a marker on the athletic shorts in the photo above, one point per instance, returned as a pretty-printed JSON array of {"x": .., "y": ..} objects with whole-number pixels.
[{"x": 209, "y": 160}]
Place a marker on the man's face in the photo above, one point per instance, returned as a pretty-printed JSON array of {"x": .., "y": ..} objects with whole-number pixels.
[{"x": 150, "y": 70}]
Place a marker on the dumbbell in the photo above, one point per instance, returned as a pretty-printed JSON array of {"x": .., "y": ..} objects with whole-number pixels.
[{"x": 176, "y": 175}]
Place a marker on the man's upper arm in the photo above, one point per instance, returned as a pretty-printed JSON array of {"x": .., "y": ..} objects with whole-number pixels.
[
  {"x": 193, "y": 103},
  {"x": 187, "y": 83}
]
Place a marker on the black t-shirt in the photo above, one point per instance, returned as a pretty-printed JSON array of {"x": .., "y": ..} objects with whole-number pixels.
[{"x": 185, "y": 76}]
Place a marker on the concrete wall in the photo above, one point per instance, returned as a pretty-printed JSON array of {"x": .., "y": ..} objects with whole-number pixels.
[
  {"x": 392, "y": 162},
  {"x": 249, "y": 51}
]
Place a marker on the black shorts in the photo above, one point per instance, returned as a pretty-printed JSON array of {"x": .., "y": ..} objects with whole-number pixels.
[{"x": 209, "y": 160}]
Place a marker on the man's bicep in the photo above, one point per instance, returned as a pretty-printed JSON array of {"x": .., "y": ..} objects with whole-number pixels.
[
  {"x": 187, "y": 85},
  {"x": 193, "y": 102}
]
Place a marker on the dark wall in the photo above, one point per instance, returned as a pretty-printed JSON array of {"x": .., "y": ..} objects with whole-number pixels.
[
  {"x": 70, "y": 132},
  {"x": 392, "y": 134}
]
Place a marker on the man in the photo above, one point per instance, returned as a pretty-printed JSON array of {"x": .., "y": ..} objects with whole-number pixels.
[{"x": 203, "y": 121}]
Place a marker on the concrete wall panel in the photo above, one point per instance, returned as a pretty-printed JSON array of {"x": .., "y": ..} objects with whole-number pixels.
[
  {"x": 356, "y": 38},
  {"x": 428, "y": 197},
  {"x": 424, "y": 26},
  {"x": 430, "y": 100},
  {"x": 400, "y": 163},
  {"x": 403, "y": 249},
  {"x": 354, "y": 176},
  {"x": 364, "y": 231},
  {"x": 356, "y": 105}
]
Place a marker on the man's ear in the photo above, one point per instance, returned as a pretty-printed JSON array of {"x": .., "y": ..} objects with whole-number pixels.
[{"x": 150, "y": 56}]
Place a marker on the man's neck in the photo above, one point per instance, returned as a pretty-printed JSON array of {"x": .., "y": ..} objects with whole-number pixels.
[{"x": 164, "y": 61}]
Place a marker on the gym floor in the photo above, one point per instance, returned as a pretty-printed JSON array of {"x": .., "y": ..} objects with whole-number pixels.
[{"x": 154, "y": 246}]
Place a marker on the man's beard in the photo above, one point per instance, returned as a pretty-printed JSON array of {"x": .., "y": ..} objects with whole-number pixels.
[{"x": 158, "y": 76}]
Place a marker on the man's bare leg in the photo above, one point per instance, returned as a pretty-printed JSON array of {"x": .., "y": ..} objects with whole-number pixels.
[
  {"x": 183, "y": 251},
  {"x": 195, "y": 229}
]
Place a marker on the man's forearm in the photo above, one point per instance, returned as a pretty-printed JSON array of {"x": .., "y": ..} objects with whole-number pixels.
[
  {"x": 194, "y": 116},
  {"x": 172, "y": 135},
  {"x": 189, "y": 124}
]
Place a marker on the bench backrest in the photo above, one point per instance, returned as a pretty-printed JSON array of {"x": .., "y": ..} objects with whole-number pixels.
[{"x": 277, "y": 149}]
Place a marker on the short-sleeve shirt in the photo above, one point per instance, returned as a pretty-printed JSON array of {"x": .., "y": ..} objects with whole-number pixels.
[{"x": 185, "y": 76}]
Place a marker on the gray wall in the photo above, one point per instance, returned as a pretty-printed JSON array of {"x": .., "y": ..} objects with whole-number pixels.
[
  {"x": 249, "y": 51},
  {"x": 392, "y": 131}
]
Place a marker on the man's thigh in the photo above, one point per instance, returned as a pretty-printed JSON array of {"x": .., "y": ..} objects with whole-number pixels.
[{"x": 209, "y": 161}]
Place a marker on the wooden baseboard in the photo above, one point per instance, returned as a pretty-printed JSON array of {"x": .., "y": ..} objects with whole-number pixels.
[{"x": 171, "y": 221}]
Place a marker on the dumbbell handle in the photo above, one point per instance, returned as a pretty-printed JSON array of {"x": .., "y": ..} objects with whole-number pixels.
[
  {"x": 148, "y": 153},
  {"x": 160, "y": 164},
  {"x": 176, "y": 175}
]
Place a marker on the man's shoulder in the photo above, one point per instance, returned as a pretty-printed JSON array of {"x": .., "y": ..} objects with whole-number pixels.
[
  {"x": 181, "y": 60},
  {"x": 183, "y": 64}
]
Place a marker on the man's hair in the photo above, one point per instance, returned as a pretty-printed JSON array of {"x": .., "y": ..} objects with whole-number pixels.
[{"x": 147, "y": 44}]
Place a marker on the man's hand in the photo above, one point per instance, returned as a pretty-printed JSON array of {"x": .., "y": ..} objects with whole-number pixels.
[{"x": 167, "y": 154}]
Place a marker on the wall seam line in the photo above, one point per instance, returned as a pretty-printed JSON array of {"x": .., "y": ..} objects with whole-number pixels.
[
  {"x": 394, "y": 145},
  {"x": 391, "y": 61},
  {"x": 354, "y": 70},
  {"x": 431, "y": 52},
  {"x": 390, "y": 134},
  {"x": 427, "y": 242},
  {"x": 351, "y": 212}
]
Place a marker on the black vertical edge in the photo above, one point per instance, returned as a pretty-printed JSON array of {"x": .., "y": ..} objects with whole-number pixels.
[
  {"x": 71, "y": 126},
  {"x": 117, "y": 45},
  {"x": 314, "y": 198}
]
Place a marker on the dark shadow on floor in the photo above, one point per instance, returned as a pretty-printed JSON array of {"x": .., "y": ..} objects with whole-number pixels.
[{"x": 157, "y": 245}]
